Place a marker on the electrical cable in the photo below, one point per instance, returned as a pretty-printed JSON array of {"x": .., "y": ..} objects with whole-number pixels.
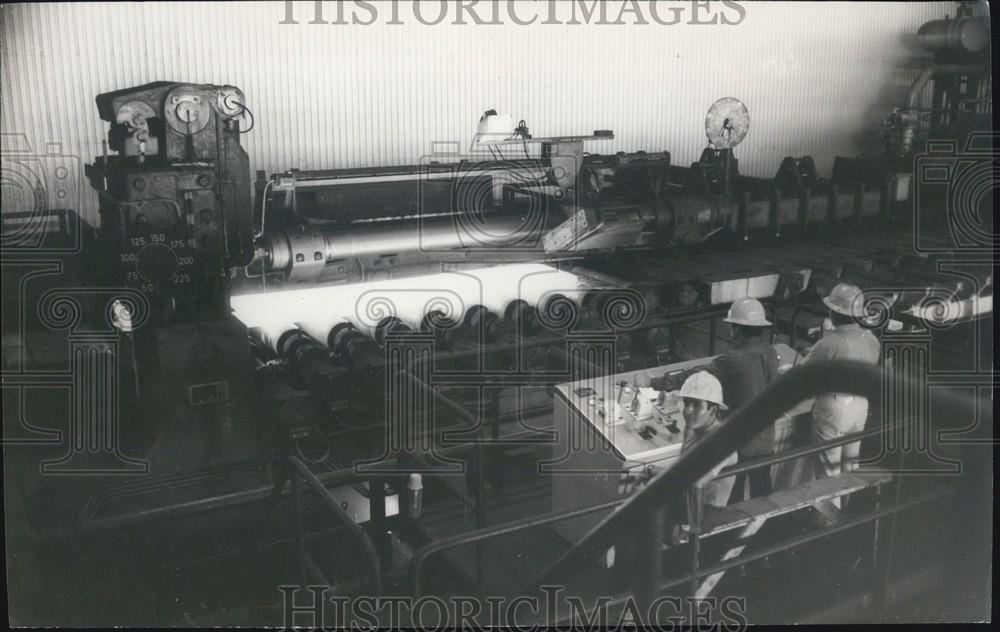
[
  {"x": 252, "y": 119},
  {"x": 522, "y": 132},
  {"x": 231, "y": 101}
]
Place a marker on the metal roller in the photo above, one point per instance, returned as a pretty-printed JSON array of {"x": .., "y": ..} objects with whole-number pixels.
[
  {"x": 274, "y": 335},
  {"x": 321, "y": 327},
  {"x": 303, "y": 253},
  {"x": 307, "y": 358},
  {"x": 514, "y": 306},
  {"x": 482, "y": 321},
  {"x": 349, "y": 346},
  {"x": 388, "y": 326}
]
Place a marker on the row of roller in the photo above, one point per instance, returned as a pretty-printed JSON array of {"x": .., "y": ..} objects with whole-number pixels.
[{"x": 350, "y": 325}]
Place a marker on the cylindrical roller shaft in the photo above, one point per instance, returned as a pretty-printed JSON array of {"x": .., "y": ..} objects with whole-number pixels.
[
  {"x": 286, "y": 249},
  {"x": 274, "y": 335},
  {"x": 307, "y": 358},
  {"x": 350, "y": 347},
  {"x": 483, "y": 322},
  {"x": 386, "y": 327},
  {"x": 321, "y": 327},
  {"x": 446, "y": 330}
]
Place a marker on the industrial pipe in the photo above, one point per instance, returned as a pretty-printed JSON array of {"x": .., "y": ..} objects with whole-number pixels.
[
  {"x": 965, "y": 35},
  {"x": 913, "y": 94}
]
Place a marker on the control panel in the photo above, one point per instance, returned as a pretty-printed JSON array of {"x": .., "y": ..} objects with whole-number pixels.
[
  {"x": 614, "y": 435},
  {"x": 636, "y": 416}
]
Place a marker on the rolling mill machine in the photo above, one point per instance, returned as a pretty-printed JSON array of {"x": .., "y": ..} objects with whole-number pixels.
[{"x": 391, "y": 336}]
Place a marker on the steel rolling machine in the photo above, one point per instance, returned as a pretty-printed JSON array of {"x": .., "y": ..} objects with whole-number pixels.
[{"x": 313, "y": 320}]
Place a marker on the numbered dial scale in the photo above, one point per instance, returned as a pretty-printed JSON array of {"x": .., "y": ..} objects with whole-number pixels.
[
  {"x": 727, "y": 123},
  {"x": 170, "y": 247}
]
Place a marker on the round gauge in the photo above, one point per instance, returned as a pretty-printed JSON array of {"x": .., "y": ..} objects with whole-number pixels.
[
  {"x": 156, "y": 263},
  {"x": 727, "y": 123},
  {"x": 186, "y": 110},
  {"x": 230, "y": 101}
]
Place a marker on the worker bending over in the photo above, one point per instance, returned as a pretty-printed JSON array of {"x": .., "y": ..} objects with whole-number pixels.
[
  {"x": 745, "y": 370},
  {"x": 837, "y": 414}
]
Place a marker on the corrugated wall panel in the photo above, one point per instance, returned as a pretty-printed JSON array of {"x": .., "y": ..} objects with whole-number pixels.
[{"x": 817, "y": 78}]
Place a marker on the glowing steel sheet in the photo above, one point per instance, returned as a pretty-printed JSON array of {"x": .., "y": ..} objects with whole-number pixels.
[
  {"x": 317, "y": 309},
  {"x": 318, "y": 326}
]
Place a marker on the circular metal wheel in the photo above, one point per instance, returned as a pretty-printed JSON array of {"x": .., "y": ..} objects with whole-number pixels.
[{"x": 727, "y": 123}]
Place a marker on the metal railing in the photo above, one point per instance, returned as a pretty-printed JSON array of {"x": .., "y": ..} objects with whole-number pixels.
[
  {"x": 785, "y": 545},
  {"x": 301, "y": 472},
  {"x": 645, "y": 507},
  {"x": 420, "y": 559}
]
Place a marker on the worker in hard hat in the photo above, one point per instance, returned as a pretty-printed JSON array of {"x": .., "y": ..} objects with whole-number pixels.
[
  {"x": 744, "y": 371},
  {"x": 702, "y": 403},
  {"x": 701, "y": 395},
  {"x": 837, "y": 414}
]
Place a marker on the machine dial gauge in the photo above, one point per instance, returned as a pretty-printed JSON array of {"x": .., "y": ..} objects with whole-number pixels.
[
  {"x": 156, "y": 263},
  {"x": 230, "y": 101},
  {"x": 727, "y": 123},
  {"x": 186, "y": 110}
]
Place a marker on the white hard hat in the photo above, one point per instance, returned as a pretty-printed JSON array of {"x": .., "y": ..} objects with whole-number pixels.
[
  {"x": 704, "y": 385},
  {"x": 747, "y": 311},
  {"x": 846, "y": 299}
]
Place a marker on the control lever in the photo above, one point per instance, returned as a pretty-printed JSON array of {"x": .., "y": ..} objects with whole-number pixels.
[
  {"x": 137, "y": 125},
  {"x": 648, "y": 433}
]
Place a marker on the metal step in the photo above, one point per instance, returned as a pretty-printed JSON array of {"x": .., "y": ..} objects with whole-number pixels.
[{"x": 721, "y": 519}]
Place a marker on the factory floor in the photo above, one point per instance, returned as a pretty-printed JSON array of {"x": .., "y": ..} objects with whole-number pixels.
[
  {"x": 168, "y": 577},
  {"x": 227, "y": 573}
]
